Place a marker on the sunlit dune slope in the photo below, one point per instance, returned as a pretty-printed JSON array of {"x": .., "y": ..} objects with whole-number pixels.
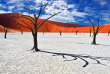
[
  {"x": 105, "y": 28},
  {"x": 1, "y": 28},
  {"x": 9, "y": 30},
  {"x": 9, "y": 21}
]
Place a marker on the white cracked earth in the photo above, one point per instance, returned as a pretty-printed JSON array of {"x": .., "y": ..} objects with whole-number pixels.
[{"x": 66, "y": 54}]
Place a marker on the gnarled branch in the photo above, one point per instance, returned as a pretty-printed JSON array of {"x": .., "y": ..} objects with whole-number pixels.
[
  {"x": 47, "y": 19},
  {"x": 22, "y": 25}
]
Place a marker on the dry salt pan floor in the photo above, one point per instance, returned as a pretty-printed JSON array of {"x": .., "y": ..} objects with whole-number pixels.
[{"x": 66, "y": 54}]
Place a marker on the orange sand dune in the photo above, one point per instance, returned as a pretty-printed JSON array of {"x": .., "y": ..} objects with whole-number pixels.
[
  {"x": 9, "y": 20},
  {"x": 2, "y": 29}
]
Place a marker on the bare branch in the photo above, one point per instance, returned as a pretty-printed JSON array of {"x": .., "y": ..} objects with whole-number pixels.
[
  {"x": 39, "y": 23},
  {"x": 24, "y": 16},
  {"x": 30, "y": 17},
  {"x": 92, "y": 25},
  {"x": 97, "y": 29},
  {"x": 26, "y": 24},
  {"x": 29, "y": 26},
  {"x": 22, "y": 25},
  {"x": 44, "y": 7},
  {"x": 39, "y": 13},
  {"x": 48, "y": 18},
  {"x": 31, "y": 11},
  {"x": 100, "y": 28},
  {"x": 41, "y": 9},
  {"x": 30, "y": 20}
]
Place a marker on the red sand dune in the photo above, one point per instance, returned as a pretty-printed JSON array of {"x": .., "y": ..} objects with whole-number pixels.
[
  {"x": 2, "y": 29},
  {"x": 9, "y": 21}
]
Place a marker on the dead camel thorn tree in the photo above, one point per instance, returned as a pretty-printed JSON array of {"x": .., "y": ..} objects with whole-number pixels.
[
  {"x": 77, "y": 32},
  {"x": 21, "y": 29},
  {"x": 60, "y": 33},
  {"x": 5, "y": 30},
  {"x": 35, "y": 23},
  {"x": 108, "y": 32},
  {"x": 90, "y": 32},
  {"x": 95, "y": 31},
  {"x": 43, "y": 32}
]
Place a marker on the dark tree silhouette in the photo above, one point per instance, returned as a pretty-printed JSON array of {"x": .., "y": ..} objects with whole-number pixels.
[
  {"x": 90, "y": 32},
  {"x": 95, "y": 31},
  {"x": 5, "y": 30},
  {"x": 21, "y": 29},
  {"x": 35, "y": 23},
  {"x": 43, "y": 32},
  {"x": 60, "y": 33},
  {"x": 77, "y": 32},
  {"x": 108, "y": 32}
]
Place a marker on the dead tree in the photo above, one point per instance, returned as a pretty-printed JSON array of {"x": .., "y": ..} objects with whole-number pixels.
[
  {"x": 5, "y": 30},
  {"x": 95, "y": 31},
  {"x": 46, "y": 30},
  {"x": 21, "y": 29},
  {"x": 35, "y": 24},
  {"x": 76, "y": 32},
  {"x": 60, "y": 33},
  {"x": 108, "y": 32},
  {"x": 90, "y": 32},
  {"x": 43, "y": 32}
]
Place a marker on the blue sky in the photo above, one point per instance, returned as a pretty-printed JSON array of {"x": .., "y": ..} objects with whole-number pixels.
[{"x": 72, "y": 11}]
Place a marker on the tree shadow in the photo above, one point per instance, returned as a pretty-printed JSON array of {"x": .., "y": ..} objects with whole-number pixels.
[
  {"x": 103, "y": 44},
  {"x": 83, "y": 57},
  {"x": 85, "y": 43},
  {"x": 93, "y": 44}
]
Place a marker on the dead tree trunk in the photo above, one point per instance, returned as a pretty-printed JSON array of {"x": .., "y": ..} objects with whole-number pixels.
[
  {"x": 5, "y": 30},
  {"x": 35, "y": 42},
  {"x": 5, "y": 33},
  {"x": 94, "y": 39},
  {"x": 21, "y": 31},
  {"x": 60, "y": 33},
  {"x": 90, "y": 32},
  {"x": 108, "y": 32},
  {"x": 76, "y": 32},
  {"x": 95, "y": 32},
  {"x": 35, "y": 24},
  {"x": 43, "y": 32}
]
